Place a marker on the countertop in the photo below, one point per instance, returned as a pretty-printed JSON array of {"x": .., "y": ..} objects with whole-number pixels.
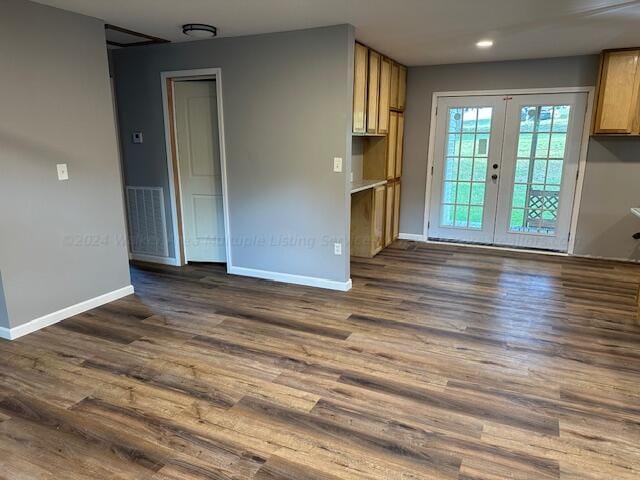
[{"x": 360, "y": 185}]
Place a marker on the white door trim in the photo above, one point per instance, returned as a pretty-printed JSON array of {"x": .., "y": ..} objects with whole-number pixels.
[
  {"x": 202, "y": 73},
  {"x": 528, "y": 91}
]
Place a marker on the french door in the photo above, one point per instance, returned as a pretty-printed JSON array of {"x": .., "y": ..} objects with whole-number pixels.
[{"x": 505, "y": 169}]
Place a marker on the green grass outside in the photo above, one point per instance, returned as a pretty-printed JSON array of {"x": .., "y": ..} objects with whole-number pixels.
[{"x": 545, "y": 174}]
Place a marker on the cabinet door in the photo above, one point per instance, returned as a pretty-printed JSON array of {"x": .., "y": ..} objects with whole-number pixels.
[
  {"x": 362, "y": 224},
  {"x": 399, "y": 145},
  {"x": 383, "y": 105},
  {"x": 395, "y": 77},
  {"x": 402, "y": 88},
  {"x": 388, "y": 214},
  {"x": 396, "y": 210},
  {"x": 617, "y": 109},
  {"x": 360, "y": 88},
  {"x": 392, "y": 145},
  {"x": 378, "y": 218},
  {"x": 373, "y": 94}
]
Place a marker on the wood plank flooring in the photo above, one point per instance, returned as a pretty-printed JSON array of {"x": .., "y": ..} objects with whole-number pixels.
[{"x": 441, "y": 363}]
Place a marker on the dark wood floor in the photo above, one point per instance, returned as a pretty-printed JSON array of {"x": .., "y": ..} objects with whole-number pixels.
[{"x": 441, "y": 363}]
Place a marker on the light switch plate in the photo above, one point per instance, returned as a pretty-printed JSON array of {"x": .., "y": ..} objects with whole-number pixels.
[
  {"x": 63, "y": 172},
  {"x": 337, "y": 164},
  {"x": 337, "y": 248},
  {"x": 137, "y": 137}
]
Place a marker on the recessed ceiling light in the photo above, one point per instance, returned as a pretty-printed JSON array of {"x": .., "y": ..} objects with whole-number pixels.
[
  {"x": 199, "y": 30},
  {"x": 484, "y": 44}
]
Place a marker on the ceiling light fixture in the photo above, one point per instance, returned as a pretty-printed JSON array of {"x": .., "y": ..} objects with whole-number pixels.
[
  {"x": 484, "y": 44},
  {"x": 199, "y": 30}
]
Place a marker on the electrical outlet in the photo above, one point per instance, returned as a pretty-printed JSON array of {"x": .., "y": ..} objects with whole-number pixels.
[
  {"x": 137, "y": 137},
  {"x": 337, "y": 248},
  {"x": 63, "y": 172},
  {"x": 337, "y": 164},
  {"x": 351, "y": 177}
]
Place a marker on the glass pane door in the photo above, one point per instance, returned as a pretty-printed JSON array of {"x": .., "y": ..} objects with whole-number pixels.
[
  {"x": 467, "y": 153},
  {"x": 539, "y": 165}
]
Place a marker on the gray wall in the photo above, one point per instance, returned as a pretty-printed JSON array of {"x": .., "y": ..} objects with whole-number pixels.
[
  {"x": 611, "y": 187},
  {"x": 613, "y": 165},
  {"x": 60, "y": 242},
  {"x": 287, "y": 113}
]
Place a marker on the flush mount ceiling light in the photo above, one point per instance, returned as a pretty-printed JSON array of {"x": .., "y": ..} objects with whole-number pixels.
[
  {"x": 485, "y": 44},
  {"x": 199, "y": 30}
]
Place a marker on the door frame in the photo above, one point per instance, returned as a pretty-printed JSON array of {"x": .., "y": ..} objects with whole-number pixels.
[
  {"x": 168, "y": 80},
  {"x": 584, "y": 144}
]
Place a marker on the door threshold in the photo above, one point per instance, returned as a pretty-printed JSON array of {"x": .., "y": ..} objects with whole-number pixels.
[{"x": 497, "y": 247}]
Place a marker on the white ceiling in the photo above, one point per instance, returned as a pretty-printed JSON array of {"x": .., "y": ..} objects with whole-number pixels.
[{"x": 415, "y": 32}]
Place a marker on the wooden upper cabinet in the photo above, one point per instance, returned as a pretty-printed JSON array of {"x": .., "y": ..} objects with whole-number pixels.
[
  {"x": 402, "y": 88},
  {"x": 392, "y": 145},
  {"x": 395, "y": 78},
  {"x": 618, "y": 109},
  {"x": 361, "y": 61},
  {"x": 373, "y": 92},
  {"x": 399, "y": 145},
  {"x": 385, "y": 88}
]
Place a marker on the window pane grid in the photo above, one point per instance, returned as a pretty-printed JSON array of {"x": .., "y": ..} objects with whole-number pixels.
[
  {"x": 538, "y": 172},
  {"x": 468, "y": 135}
]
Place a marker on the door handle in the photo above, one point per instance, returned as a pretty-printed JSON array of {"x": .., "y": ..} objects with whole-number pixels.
[{"x": 494, "y": 176}]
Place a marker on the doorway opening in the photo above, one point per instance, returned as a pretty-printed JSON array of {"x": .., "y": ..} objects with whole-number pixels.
[
  {"x": 197, "y": 165},
  {"x": 505, "y": 169}
]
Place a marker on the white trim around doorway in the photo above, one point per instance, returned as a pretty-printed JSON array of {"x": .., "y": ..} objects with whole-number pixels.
[
  {"x": 169, "y": 129},
  {"x": 531, "y": 91}
]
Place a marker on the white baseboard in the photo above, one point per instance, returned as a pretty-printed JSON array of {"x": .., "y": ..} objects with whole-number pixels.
[
  {"x": 412, "y": 236},
  {"x": 55, "y": 317},
  {"x": 154, "y": 259},
  {"x": 290, "y": 278}
]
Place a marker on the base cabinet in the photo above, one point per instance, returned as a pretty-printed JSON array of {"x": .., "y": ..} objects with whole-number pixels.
[
  {"x": 392, "y": 212},
  {"x": 375, "y": 219},
  {"x": 379, "y": 200},
  {"x": 367, "y": 222},
  {"x": 388, "y": 214},
  {"x": 396, "y": 210}
]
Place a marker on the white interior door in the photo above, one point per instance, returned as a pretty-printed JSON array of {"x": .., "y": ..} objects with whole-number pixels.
[
  {"x": 540, "y": 157},
  {"x": 467, "y": 155},
  {"x": 196, "y": 116}
]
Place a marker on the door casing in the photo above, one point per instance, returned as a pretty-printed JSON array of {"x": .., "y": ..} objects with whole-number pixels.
[
  {"x": 506, "y": 92},
  {"x": 168, "y": 105}
]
